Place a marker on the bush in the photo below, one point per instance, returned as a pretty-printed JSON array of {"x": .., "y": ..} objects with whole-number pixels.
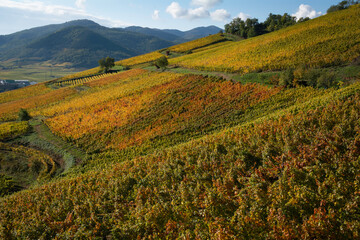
[
  {"x": 23, "y": 115},
  {"x": 162, "y": 62},
  {"x": 326, "y": 80},
  {"x": 287, "y": 78},
  {"x": 311, "y": 77}
]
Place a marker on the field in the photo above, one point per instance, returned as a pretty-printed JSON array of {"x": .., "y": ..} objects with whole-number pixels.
[
  {"x": 216, "y": 146},
  {"x": 34, "y": 72}
]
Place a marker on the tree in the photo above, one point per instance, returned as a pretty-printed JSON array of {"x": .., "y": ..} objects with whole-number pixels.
[
  {"x": 23, "y": 115},
  {"x": 276, "y": 21},
  {"x": 246, "y": 29},
  {"x": 341, "y": 6},
  {"x": 162, "y": 63},
  {"x": 106, "y": 63}
]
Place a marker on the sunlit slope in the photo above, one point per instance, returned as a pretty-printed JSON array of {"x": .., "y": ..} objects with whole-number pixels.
[
  {"x": 180, "y": 48},
  {"x": 294, "y": 176},
  {"x": 41, "y": 97},
  {"x": 24, "y": 92},
  {"x": 328, "y": 40},
  {"x": 198, "y": 43},
  {"x": 44, "y": 98},
  {"x": 153, "y": 107},
  {"x": 145, "y": 58}
]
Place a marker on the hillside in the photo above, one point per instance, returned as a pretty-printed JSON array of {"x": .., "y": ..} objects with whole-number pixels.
[
  {"x": 317, "y": 43},
  {"x": 69, "y": 43},
  {"x": 250, "y": 139}
]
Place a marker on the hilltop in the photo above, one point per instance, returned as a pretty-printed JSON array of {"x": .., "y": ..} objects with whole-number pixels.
[{"x": 236, "y": 139}]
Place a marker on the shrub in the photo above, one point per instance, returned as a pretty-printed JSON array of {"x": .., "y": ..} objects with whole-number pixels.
[
  {"x": 326, "y": 80},
  {"x": 311, "y": 76},
  {"x": 23, "y": 115},
  {"x": 162, "y": 62},
  {"x": 287, "y": 78}
]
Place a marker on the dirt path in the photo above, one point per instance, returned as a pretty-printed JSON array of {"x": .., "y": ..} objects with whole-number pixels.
[{"x": 43, "y": 138}]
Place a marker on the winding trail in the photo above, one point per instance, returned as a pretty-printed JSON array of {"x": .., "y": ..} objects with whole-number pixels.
[{"x": 43, "y": 138}]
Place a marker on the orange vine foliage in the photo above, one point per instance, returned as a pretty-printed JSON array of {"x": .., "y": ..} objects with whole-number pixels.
[
  {"x": 23, "y": 93},
  {"x": 9, "y": 110},
  {"x": 295, "y": 177},
  {"x": 187, "y": 103},
  {"x": 137, "y": 81}
]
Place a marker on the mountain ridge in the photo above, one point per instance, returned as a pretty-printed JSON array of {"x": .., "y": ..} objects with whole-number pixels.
[{"x": 124, "y": 42}]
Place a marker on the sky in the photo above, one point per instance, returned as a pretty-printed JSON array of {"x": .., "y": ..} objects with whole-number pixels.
[{"x": 17, "y": 15}]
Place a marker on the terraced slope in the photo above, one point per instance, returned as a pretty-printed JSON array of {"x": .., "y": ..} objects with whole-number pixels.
[{"x": 329, "y": 40}]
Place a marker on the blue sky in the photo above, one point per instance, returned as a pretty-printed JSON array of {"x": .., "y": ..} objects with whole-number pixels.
[{"x": 16, "y": 15}]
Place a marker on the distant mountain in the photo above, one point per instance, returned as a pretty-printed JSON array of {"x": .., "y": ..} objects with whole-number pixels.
[
  {"x": 162, "y": 34},
  {"x": 174, "y": 35},
  {"x": 200, "y": 32},
  {"x": 83, "y": 42},
  {"x": 23, "y": 38}
]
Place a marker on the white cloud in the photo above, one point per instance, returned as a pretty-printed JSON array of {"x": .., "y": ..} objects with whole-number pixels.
[
  {"x": 198, "y": 13},
  {"x": 62, "y": 13},
  {"x": 220, "y": 15},
  {"x": 37, "y": 6},
  {"x": 243, "y": 16},
  {"x": 306, "y": 11},
  {"x": 80, "y": 3},
  {"x": 155, "y": 15},
  {"x": 205, "y": 3},
  {"x": 176, "y": 11}
]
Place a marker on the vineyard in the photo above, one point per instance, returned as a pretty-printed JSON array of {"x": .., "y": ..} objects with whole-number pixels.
[
  {"x": 9, "y": 110},
  {"x": 146, "y": 58},
  {"x": 80, "y": 81},
  {"x": 317, "y": 43},
  {"x": 158, "y": 111},
  {"x": 23, "y": 93},
  {"x": 199, "y": 150},
  {"x": 198, "y": 43},
  {"x": 218, "y": 185},
  {"x": 82, "y": 74}
]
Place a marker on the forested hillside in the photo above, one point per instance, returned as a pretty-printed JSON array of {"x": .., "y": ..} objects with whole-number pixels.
[{"x": 234, "y": 139}]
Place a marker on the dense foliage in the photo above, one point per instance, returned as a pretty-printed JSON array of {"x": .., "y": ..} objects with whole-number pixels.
[{"x": 251, "y": 27}]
